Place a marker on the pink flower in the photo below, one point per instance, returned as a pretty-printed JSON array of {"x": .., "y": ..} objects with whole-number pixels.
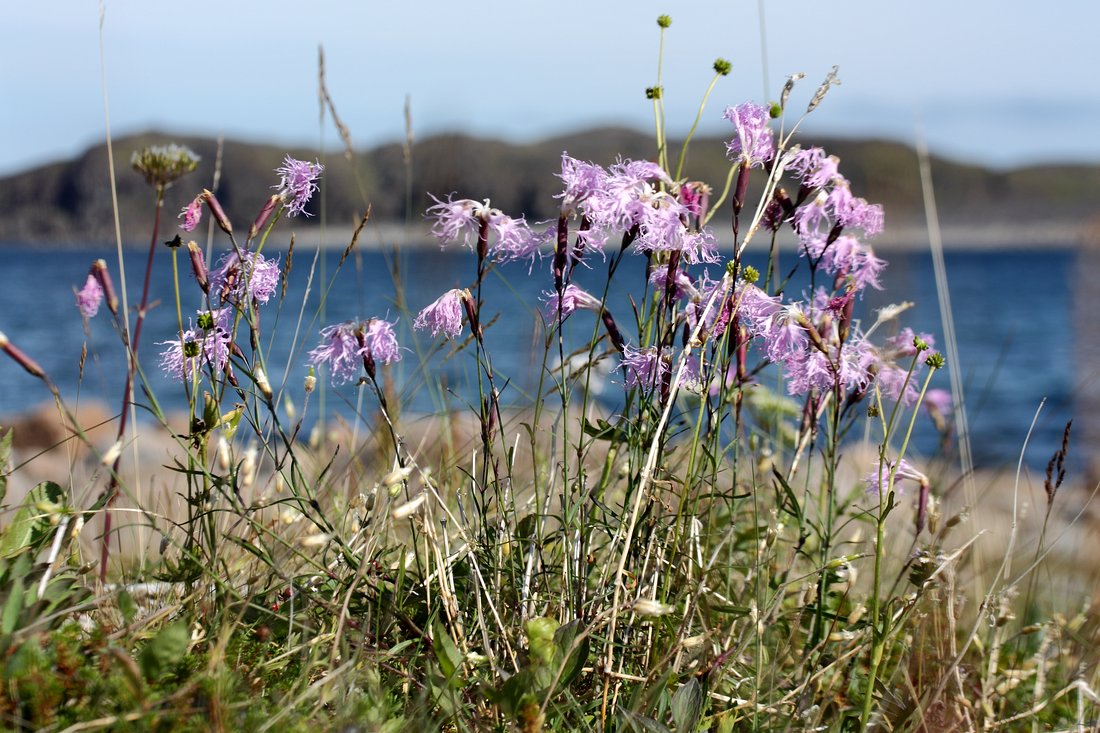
[
  {"x": 202, "y": 345},
  {"x": 239, "y": 277},
  {"x": 903, "y": 344},
  {"x": 643, "y": 367},
  {"x": 297, "y": 183},
  {"x": 444, "y": 315},
  {"x": 814, "y": 168},
  {"x": 582, "y": 180},
  {"x": 89, "y": 297},
  {"x": 346, "y": 346},
  {"x": 341, "y": 350},
  {"x": 572, "y": 298},
  {"x": 192, "y": 214},
  {"x": 381, "y": 342},
  {"x": 879, "y": 480},
  {"x": 512, "y": 238},
  {"x": 753, "y": 142},
  {"x": 681, "y": 286}
]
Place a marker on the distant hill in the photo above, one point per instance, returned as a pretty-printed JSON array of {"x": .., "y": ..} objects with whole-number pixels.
[{"x": 70, "y": 202}]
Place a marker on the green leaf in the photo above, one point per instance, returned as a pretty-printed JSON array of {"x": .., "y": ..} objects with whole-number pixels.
[
  {"x": 791, "y": 505},
  {"x": 164, "y": 650},
  {"x": 573, "y": 653},
  {"x": 5, "y": 458},
  {"x": 687, "y": 706},
  {"x": 603, "y": 430},
  {"x": 126, "y": 606},
  {"x": 642, "y": 724},
  {"x": 31, "y": 527},
  {"x": 12, "y": 606},
  {"x": 446, "y": 653}
]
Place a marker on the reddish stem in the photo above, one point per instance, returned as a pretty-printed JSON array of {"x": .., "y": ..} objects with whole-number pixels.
[{"x": 123, "y": 420}]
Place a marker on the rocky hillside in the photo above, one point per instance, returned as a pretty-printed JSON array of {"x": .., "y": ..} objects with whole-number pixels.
[{"x": 70, "y": 202}]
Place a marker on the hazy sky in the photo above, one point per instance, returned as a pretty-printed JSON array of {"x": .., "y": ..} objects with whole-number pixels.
[{"x": 1004, "y": 82}]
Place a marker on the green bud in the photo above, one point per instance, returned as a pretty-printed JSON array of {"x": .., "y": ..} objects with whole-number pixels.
[
  {"x": 540, "y": 638},
  {"x": 920, "y": 344},
  {"x": 750, "y": 274},
  {"x": 653, "y": 93},
  {"x": 936, "y": 361},
  {"x": 205, "y": 320},
  {"x": 775, "y": 110},
  {"x": 731, "y": 268},
  {"x": 664, "y": 21},
  {"x": 723, "y": 67},
  {"x": 872, "y": 410},
  {"x": 190, "y": 348}
]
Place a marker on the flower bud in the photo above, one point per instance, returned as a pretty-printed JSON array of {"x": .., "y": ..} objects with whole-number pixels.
[
  {"x": 198, "y": 266},
  {"x": 217, "y": 212},
  {"x": 264, "y": 215},
  {"x": 21, "y": 358},
  {"x": 103, "y": 277}
]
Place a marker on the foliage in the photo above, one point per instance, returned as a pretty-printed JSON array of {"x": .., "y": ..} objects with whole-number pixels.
[{"x": 706, "y": 554}]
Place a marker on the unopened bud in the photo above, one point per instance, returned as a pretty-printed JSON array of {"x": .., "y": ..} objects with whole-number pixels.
[
  {"x": 407, "y": 509},
  {"x": 21, "y": 358},
  {"x": 103, "y": 277},
  {"x": 650, "y": 607},
  {"x": 112, "y": 453},
  {"x": 198, "y": 266},
  {"x": 310, "y": 382},
  {"x": 217, "y": 212},
  {"x": 397, "y": 476},
  {"x": 262, "y": 382},
  {"x": 264, "y": 215}
]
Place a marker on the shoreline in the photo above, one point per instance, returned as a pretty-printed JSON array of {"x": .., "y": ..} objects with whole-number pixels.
[{"x": 384, "y": 236}]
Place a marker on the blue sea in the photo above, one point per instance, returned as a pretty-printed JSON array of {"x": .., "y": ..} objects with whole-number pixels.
[{"x": 1027, "y": 326}]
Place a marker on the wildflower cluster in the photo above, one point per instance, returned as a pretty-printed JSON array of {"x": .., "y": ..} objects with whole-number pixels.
[{"x": 203, "y": 345}]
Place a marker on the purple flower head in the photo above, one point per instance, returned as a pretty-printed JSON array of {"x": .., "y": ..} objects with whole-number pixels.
[
  {"x": 878, "y": 480},
  {"x": 692, "y": 377},
  {"x": 845, "y": 257},
  {"x": 682, "y": 285},
  {"x": 297, "y": 183},
  {"x": 784, "y": 332},
  {"x": 695, "y": 196},
  {"x": 814, "y": 168},
  {"x": 381, "y": 342},
  {"x": 643, "y": 366},
  {"x": 572, "y": 298},
  {"x": 513, "y": 239},
  {"x": 444, "y": 315},
  {"x": 341, "y": 350},
  {"x": 902, "y": 345},
  {"x": 897, "y": 384},
  {"x": 813, "y": 216},
  {"x": 582, "y": 181},
  {"x": 938, "y": 401},
  {"x": 198, "y": 347},
  {"x": 89, "y": 297},
  {"x": 849, "y": 366},
  {"x": 345, "y": 347},
  {"x": 192, "y": 214},
  {"x": 854, "y": 213},
  {"x": 627, "y": 197},
  {"x": 244, "y": 275},
  {"x": 753, "y": 142}
]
